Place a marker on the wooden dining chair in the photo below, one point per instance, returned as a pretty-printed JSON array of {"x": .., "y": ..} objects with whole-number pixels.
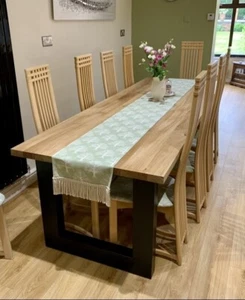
[
  {"x": 7, "y": 249},
  {"x": 216, "y": 128},
  {"x": 198, "y": 158},
  {"x": 214, "y": 117},
  {"x": 45, "y": 116},
  {"x": 42, "y": 97},
  {"x": 191, "y": 59},
  {"x": 128, "y": 69},
  {"x": 108, "y": 73},
  {"x": 171, "y": 198},
  {"x": 85, "y": 81}
]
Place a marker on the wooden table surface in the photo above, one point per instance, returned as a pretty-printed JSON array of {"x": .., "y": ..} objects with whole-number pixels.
[{"x": 151, "y": 159}]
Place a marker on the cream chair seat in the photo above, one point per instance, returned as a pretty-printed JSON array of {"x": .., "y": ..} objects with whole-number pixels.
[
  {"x": 2, "y": 198},
  {"x": 122, "y": 190},
  {"x": 7, "y": 249}
]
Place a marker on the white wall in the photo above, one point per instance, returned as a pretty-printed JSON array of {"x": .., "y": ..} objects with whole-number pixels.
[{"x": 31, "y": 19}]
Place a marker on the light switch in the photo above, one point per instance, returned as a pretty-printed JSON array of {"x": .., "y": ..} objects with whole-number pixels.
[
  {"x": 210, "y": 17},
  {"x": 186, "y": 19},
  {"x": 47, "y": 41}
]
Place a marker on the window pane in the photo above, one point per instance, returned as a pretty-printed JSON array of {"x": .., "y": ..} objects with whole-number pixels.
[
  {"x": 225, "y": 2},
  {"x": 242, "y": 1},
  {"x": 223, "y": 30},
  {"x": 238, "y": 43}
]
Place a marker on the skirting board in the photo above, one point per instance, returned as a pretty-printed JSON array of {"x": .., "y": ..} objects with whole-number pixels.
[{"x": 15, "y": 189}]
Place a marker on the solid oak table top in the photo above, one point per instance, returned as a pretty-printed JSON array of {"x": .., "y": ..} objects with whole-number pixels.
[{"x": 151, "y": 159}]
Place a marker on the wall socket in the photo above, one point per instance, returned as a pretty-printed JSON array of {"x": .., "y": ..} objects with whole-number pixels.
[
  {"x": 47, "y": 41},
  {"x": 122, "y": 32}
]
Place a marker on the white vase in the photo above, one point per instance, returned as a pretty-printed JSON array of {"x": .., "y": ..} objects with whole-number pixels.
[{"x": 158, "y": 89}]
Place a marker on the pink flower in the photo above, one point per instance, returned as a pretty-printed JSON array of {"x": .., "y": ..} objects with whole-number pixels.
[
  {"x": 157, "y": 59},
  {"x": 148, "y": 49}
]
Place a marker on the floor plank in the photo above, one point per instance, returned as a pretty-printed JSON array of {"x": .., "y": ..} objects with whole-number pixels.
[{"x": 214, "y": 259}]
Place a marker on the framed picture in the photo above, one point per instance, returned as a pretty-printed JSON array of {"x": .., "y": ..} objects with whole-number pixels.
[{"x": 84, "y": 9}]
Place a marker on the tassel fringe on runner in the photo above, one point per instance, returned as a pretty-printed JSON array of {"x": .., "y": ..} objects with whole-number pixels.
[{"x": 83, "y": 190}]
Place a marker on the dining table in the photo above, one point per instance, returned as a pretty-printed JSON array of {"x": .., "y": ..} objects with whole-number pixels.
[{"x": 148, "y": 162}]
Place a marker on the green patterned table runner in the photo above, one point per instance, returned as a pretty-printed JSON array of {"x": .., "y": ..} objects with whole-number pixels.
[{"x": 84, "y": 168}]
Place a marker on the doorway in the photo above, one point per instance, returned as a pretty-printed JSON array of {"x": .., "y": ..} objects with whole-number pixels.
[{"x": 11, "y": 132}]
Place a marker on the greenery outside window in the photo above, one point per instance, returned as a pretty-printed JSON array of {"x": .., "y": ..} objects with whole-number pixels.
[{"x": 230, "y": 30}]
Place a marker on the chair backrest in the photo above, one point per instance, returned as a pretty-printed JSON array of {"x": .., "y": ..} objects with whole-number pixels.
[
  {"x": 42, "y": 98},
  {"x": 228, "y": 54},
  {"x": 204, "y": 129},
  {"x": 218, "y": 91},
  {"x": 191, "y": 59},
  {"x": 85, "y": 82},
  {"x": 108, "y": 73},
  {"x": 180, "y": 182},
  {"x": 220, "y": 85},
  {"x": 128, "y": 69}
]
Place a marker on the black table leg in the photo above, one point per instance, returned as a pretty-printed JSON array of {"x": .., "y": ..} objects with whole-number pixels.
[
  {"x": 144, "y": 226},
  {"x": 51, "y": 205},
  {"x": 139, "y": 260}
]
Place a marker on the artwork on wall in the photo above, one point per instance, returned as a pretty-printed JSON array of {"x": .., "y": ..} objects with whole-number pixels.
[{"x": 84, "y": 9}]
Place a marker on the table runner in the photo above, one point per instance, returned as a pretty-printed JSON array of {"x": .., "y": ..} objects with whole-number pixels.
[{"x": 84, "y": 168}]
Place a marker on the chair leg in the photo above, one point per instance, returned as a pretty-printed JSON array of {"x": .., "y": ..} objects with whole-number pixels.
[
  {"x": 7, "y": 249},
  {"x": 68, "y": 203},
  {"x": 113, "y": 221},
  {"x": 67, "y": 206},
  {"x": 208, "y": 184},
  {"x": 216, "y": 142},
  {"x": 95, "y": 219},
  {"x": 205, "y": 203},
  {"x": 186, "y": 239},
  {"x": 179, "y": 255},
  {"x": 198, "y": 215},
  {"x": 178, "y": 247}
]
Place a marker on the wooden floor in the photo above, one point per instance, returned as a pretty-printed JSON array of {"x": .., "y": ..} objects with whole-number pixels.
[{"x": 214, "y": 259}]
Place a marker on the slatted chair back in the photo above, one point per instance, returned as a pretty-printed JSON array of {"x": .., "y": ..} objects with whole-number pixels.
[
  {"x": 191, "y": 59},
  {"x": 109, "y": 73},
  {"x": 227, "y": 59},
  {"x": 202, "y": 139},
  {"x": 215, "y": 113},
  {"x": 128, "y": 69},
  {"x": 180, "y": 181},
  {"x": 220, "y": 84},
  {"x": 42, "y": 97},
  {"x": 216, "y": 129},
  {"x": 85, "y": 82}
]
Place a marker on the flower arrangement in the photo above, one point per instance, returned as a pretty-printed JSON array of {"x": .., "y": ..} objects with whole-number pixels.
[{"x": 157, "y": 60}]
